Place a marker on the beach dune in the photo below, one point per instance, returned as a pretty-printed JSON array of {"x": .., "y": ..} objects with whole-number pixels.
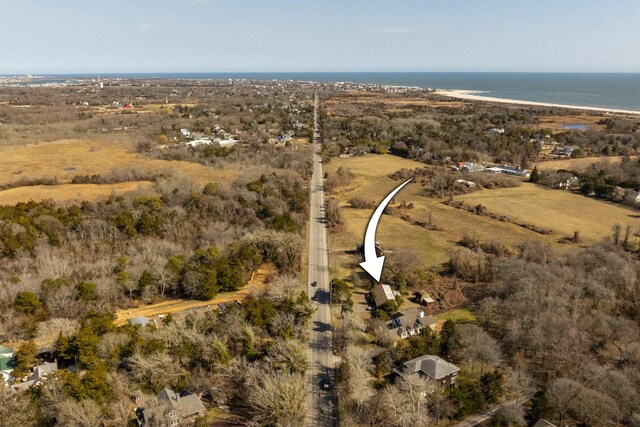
[{"x": 472, "y": 95}]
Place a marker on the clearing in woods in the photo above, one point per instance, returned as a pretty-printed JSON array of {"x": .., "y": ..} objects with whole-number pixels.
[
  {"x": 561, "y": 211},
  {"x": 579, "y": 163},
  {"x": 69, "y": 192},
  {"x": 258, "y": 281}
]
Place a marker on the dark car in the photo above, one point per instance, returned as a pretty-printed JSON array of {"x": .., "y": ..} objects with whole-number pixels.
[
  {"x": 325, "y": 384},
  {"x": 314, "y": 283}
]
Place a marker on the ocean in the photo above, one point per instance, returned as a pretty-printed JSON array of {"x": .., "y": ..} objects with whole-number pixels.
[{"x": 619, "y": 91}]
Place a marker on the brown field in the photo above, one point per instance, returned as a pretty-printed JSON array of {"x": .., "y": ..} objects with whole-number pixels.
[
  {"x": 559, "y": 210},
  {"x": 258, "y": 281},
  {"x": 69, "y": 192},
  {"x": 562, "y": 211},
  {"x": 67, "y": 158},
  {"x": 579, "y": 163}
]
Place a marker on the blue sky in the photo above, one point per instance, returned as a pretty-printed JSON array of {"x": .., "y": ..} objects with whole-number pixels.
[{"x": 102, "y": 36}]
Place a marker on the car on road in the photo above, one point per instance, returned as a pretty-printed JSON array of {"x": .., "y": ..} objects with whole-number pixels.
[
  {"x": 314, "y": 283},
  {"x": 325, "y": 384}
]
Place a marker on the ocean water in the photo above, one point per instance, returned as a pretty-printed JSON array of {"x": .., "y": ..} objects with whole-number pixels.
[{"x": 620, "y": 91}]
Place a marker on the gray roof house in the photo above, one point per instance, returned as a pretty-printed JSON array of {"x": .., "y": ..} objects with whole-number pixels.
[
  {"x": 171, "y": 409},
  {"x": 38, "y": 376},
  {"x": 410, "y": 322},
  {"x": 431, "y": 367}
]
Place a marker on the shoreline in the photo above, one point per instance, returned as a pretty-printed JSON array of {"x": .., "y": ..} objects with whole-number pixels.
[{"x": 471, "y": 95}]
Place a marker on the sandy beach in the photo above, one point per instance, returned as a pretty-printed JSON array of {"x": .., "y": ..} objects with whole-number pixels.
[{"x": 471, "y": 95}]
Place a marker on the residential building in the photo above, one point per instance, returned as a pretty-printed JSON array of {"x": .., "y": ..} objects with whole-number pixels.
[
  {"x": 566, "y": 150},
  {"x": 171, "y": 409},
  {"x": 470, "y": 167},
  {"x": 496, "y": 130},
  {"x": 39, "y": 375},
  {"x": 382, "y": 294},
  {"x": 509, "y": 170},
  {"x": 432, "y": 367},
  {"x": 410, "y": 322}
]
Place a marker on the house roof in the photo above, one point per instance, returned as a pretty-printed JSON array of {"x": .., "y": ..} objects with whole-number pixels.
[
  {"x": 543, "y": 423},
  {"x": 43, "y": 370},
  {"x": 430, "y": 365},
  {"x": 382, "y": 293},
  {"x": 185, "y": 406},
  {"x": 409, "y": 318}
]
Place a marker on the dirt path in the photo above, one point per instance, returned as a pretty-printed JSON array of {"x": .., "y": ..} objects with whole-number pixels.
[{"x": 257, "y": 281}]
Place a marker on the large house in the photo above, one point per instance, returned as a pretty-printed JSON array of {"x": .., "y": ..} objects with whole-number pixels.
[
  {"x": 382, "y": 294},
  {"x": 171, "y": 409},
  {"x": 410, "y": 322},
  {"x": 6, "y": 362},
  {"x": 432, "y": 367}
]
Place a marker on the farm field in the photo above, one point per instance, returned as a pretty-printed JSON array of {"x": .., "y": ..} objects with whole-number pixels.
[{"x": 561, "y": 211}]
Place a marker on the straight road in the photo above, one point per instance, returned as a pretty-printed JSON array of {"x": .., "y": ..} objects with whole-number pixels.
[{"x": 320, "y": 376}]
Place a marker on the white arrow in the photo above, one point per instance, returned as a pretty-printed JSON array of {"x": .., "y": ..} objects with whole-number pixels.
[{"x": 372, "y": 262}]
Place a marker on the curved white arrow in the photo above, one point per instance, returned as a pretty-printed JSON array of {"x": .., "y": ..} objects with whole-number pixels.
[{"x": 372, "y": 262}]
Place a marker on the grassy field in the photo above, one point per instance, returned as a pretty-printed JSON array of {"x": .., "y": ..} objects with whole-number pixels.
[
  {"x": 561, "y": 211},
  {"x": 67, "y": 158},
  {"x": 580, "y": 163},
  {"x": 69, "y": 192}
]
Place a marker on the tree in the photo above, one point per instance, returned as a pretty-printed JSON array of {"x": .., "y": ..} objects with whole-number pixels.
[
  {"x": 562, "y": 392},
  {"x": 86, "y": 291},
  {"x": 27, "y": 302},
  {"x": 535, "y": 175},
  {"x": 24, "y": 358},
  {"x": 491, "y": 384},
  {"x": 405, "y": 403}
]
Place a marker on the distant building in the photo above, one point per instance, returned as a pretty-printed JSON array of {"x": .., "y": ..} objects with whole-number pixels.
[
  {"x": 632, "y": 197},
  {"x": 382, "y": 294},
  {"x": 410, "y": 322},
  {"x": 171, "y": 409},
  {"x": 185, "y": 132},
  {"x": 432, "y": 367},
  {"x": 567, "y": 150},
  {"x": 470, "y": 167},
  {"x": 509, "y": 170},
  {"x": 496, "y": 130}
]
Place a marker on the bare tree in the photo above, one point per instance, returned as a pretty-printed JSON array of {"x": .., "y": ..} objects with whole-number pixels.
[{"x": 405, "y": 403}]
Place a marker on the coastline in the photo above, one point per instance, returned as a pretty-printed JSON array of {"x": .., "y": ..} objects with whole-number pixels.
[{"x": 471, "y": 95}]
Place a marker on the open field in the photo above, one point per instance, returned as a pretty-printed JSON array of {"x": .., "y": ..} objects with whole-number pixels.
[
  {"x": 67, "y": 158},
  {"x": 69, "y": 192},
  {"x": 257, "y": 282},
  {"x": 579, "y": 163},
  {"x": 561, "y": 211}
]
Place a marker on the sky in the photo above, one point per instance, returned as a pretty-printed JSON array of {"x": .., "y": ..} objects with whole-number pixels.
[{"x": 129, "y": 36}]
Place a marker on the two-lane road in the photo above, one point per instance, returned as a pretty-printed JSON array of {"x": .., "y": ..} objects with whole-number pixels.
[{"x": 320, "y": 376}]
